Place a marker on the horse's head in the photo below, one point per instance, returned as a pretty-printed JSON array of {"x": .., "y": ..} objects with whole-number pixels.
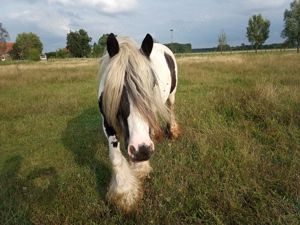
[
  {"x": 132, "y": 114},
  {"x": 136, "y": 130}
]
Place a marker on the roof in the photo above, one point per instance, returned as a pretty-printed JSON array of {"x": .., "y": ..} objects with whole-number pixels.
[{"x": 9, "y": 46}]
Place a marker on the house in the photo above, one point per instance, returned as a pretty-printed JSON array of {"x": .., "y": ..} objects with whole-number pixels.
[{"x": 5, "y": 48}]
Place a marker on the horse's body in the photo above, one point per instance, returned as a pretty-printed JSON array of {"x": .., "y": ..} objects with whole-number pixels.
[{"x": 136, "y": 91}]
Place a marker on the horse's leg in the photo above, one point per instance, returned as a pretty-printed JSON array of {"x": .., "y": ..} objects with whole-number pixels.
[
  {"x": 173, "y": 127},
  {"x": 125, "y": 188}
]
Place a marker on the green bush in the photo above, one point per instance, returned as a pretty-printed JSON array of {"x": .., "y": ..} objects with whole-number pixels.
[
  {"x": 24, "y": 44},
  {"x": 62, "y": 53},
  {"x": 180, "y": 48},
  {"x": 34, "y": 54}
]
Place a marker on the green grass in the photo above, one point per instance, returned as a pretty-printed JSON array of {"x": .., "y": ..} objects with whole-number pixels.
[{"x": 237, "y": 161}]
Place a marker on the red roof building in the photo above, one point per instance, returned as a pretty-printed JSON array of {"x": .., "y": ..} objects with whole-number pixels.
[
  {"x": 8, "y": 47},
  {"x": 5, "y": 48}
]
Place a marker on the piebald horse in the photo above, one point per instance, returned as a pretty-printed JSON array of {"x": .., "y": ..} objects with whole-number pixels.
[{"x": 136, "y": 96}]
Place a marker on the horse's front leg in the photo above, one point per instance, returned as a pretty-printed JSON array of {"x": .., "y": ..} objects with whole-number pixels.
[{"x": 125, "y": 188}]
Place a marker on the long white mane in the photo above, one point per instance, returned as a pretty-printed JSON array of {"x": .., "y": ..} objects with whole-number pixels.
[{"x": 132, "y": 70}]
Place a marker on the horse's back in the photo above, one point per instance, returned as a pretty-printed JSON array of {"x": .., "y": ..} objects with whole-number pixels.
[{"x": 163, "y": 60}]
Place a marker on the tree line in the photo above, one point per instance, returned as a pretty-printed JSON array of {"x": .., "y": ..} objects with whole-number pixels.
[
  {"x": 29, "y": 46},
  {"x": 78, "y": 43},
  {"x": 258, "y": 31},
  {"x": 78, "y": 46}
]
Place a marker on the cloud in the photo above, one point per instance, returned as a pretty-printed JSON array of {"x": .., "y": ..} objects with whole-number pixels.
[
  {"x": 107, "y": 6},
  {"x": 45, "y": 19},
  {"x": 198, "y": 22},
  {"x": 38, "y": 15},
  {"x": 264, "y": 5}
]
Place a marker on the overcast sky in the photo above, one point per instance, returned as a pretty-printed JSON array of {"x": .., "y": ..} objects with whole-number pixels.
[{"x": 198, "y": 22}]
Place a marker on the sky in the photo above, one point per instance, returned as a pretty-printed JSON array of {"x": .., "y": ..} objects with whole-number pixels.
[{"x": 198, "y": 22}]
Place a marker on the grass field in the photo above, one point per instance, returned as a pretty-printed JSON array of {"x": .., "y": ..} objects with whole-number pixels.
[{"x": 237, "y": 162}]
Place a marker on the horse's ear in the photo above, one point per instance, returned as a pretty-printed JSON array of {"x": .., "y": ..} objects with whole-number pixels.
[
  {"x": 147, "y": 45},
  {"x": 112, "y": 45}
]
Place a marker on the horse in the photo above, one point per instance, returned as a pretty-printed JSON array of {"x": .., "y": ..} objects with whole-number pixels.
[{"x": 136, "y": 97}]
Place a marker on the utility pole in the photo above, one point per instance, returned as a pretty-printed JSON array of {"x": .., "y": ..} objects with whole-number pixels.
[{"x": 172, "y": 37}]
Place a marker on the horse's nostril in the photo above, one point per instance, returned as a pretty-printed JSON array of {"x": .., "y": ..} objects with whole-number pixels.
[
  {"x": 144, "y": 148},
  {"x": 132, "y": 150}
]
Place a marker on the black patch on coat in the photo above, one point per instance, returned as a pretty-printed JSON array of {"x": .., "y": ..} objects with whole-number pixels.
[
  {"x": 110, "y": 131},
  {"x": 123, "y": 114},
  {"x": 171, "y": 65},
  {"x": 115, "y": 144}
]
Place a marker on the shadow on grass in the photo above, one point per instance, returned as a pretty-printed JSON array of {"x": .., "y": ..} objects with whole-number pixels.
[
  {"x": 18, "y": 194},
  {"x": 83, "y": 137}
]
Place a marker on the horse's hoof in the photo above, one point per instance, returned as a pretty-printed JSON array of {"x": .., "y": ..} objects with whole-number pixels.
[
  {"x": 126, "y": 196},
  {"x": 175, "y": 131}
]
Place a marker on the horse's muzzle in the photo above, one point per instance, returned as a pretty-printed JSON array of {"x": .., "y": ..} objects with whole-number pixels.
[{"x": 143, "y": 153}]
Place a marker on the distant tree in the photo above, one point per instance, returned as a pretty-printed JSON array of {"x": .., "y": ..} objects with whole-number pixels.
[
  {"x": 102, "y": 42},
  {"x": 95, "y": 50},
  {"x": 3, "y": 38},
  {"x": 51, "y": 55},
  {"x": 222, "y": 42},
  {"x": 179, "y": 48},
  {"x": 24, "y": 45},
  {"x": 34, "y": 54},
  {"x": 78, "y": 43},
  {"x": 62, "y": 53},
  {"x": 258, "y": 30},
  {"x": 98, "y": 48},
  {"x": 291, "y": 29},
  {"x": 243, "y": 46}
]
